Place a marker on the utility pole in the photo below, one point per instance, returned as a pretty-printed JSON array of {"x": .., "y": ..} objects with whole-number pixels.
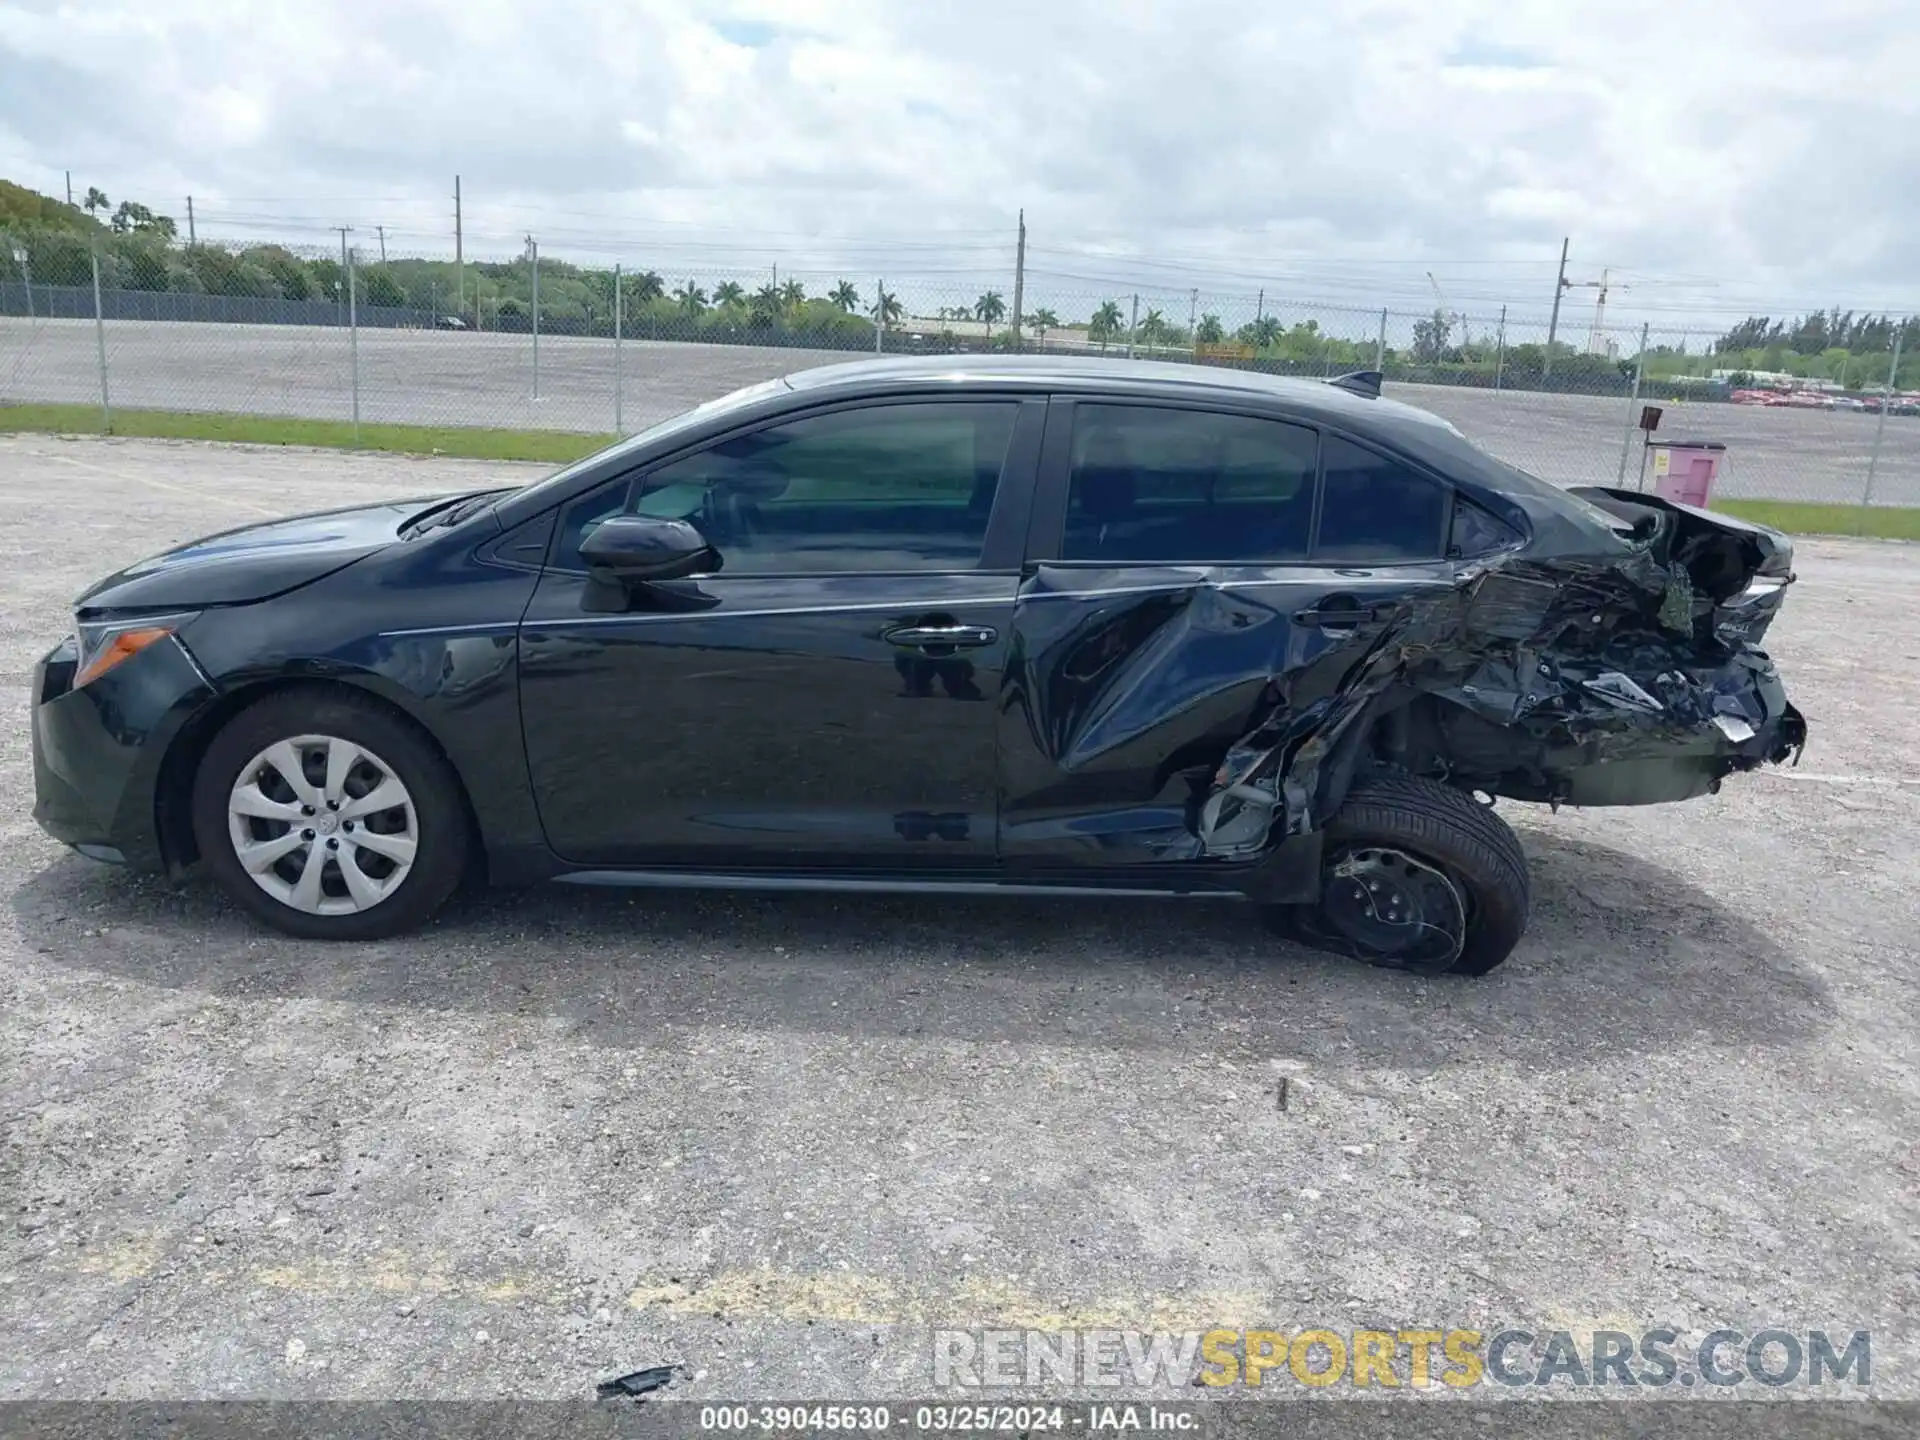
[
  {"x": 192, "y": 239},
  {"x": 1019, "y": 278},
  {"x": 345, "y": 230},
  {"x": 1193, "y": 321},
  {"x": 1500, "y": 356},
  {"x": 617, "y": 426},
  {"x": 1133, "y": 325},
  {"x": 879, "y": 313},
  {"x": 69, "y": 187},
  {"x": 1553, "y": 325},
  {"x": 533, "y": 259},
  {"x": 459, "y": 259},
  {"x": 383, "y": 242}
]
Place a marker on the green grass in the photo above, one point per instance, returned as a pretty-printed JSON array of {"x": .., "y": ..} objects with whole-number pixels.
[
  {"x": 468, "y": 443},
  {"x": 1884, "y": 522},
  {"x": 1798, "y": 517}
]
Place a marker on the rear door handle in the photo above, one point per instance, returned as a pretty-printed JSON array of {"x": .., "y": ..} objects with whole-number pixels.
[
  {"x": 941, "y": 637},
  {"x": 1341, "y": 616}
]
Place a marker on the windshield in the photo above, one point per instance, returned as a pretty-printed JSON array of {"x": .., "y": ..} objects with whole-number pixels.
[{"x": 686, "y": 419}]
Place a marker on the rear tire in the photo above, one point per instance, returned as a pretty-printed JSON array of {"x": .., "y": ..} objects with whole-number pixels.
[
  {"x": 1431, "y": 825},
  {"x": 309, "y": 782}
]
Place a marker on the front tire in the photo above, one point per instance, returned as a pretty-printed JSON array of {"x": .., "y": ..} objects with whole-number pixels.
[
  {"x": 1419, "y": 876},
  {"x": 328, "y": 817}
]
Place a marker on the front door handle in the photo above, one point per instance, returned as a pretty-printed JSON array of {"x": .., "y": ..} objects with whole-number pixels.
[{"x": 939, "y": 639}]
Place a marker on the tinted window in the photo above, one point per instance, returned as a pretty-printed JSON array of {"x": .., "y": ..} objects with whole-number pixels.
[
  {"x": 1151, "y": 484},
  {"x": 893, "y": 487},
  {"x": 1475, "y": 532},
  {"x": 1376, "y": 509}
]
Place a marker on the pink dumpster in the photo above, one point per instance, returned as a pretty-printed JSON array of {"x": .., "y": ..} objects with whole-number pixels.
[{"x": 1684, "y": 470}]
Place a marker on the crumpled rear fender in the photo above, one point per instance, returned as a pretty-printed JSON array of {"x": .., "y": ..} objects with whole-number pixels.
[
  {"x": 1618, "y": 678},
  {"x": 1604, "y": 683}
]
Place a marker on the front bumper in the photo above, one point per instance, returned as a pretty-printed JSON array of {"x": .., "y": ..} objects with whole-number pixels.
[{"x": 98, "y": 751}]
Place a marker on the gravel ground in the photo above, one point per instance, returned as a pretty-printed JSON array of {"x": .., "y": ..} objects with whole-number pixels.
[
  {"x": 775, "y": 1140},
  {"x": 444, "y": 378}
]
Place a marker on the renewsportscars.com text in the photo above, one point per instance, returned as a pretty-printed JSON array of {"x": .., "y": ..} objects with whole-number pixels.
[{"x": 1391, "y": 1359}]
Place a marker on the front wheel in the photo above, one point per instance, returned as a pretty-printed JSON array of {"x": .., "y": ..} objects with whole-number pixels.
[
  {"x": 329, "y": 818},
  {"x": 1416, "y": 875}
]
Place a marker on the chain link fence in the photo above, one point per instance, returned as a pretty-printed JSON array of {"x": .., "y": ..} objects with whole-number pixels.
[{"x": 527, "y": 342}]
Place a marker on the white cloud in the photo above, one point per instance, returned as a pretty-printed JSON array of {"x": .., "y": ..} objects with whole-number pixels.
[{"x": 1723, "y": 153}]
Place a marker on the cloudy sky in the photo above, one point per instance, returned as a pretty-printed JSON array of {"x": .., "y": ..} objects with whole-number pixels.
[{"x": 1720, "y": 156}]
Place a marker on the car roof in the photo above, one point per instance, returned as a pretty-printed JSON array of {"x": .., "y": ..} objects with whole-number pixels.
[{"x": 1121, "y": 376}]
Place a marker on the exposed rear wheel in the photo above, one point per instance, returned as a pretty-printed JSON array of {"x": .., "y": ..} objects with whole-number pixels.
[
  {"x": 1419, "y": 876},
  {"x": 329, "y": 818}
]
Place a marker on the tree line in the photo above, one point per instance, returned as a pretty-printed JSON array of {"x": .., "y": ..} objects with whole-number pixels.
[{"x": 140, "y": 249}]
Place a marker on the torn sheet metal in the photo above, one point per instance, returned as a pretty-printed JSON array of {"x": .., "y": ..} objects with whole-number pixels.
[{"x": 1629, "y": 677}]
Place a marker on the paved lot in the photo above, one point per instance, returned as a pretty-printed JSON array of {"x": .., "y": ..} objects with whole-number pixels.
[
  {"x": 487, "y": 379},
  {"x": 561, "y": 1135}
]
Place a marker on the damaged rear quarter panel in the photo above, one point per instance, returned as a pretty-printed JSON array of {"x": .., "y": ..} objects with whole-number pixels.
[{"x": 1186, "y": 713}]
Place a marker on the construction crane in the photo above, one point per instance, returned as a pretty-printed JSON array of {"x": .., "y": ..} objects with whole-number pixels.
[
  {"x": 1597, "y": 336},
  {"x": 1450, "y": 314}
]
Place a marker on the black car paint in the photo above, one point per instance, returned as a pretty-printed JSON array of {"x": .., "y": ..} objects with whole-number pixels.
[
  {"x": 758, "y": 720},
  {"x": 250, "y": 563},
  {"x": 763, "y": 726},
  {"x": 98, "y": 751}
]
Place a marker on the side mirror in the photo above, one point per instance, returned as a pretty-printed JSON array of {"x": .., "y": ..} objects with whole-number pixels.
[{"x": 645, "y": 548}]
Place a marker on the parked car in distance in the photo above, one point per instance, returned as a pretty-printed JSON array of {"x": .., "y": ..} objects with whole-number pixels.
[{"x": 1001, "y": 624}]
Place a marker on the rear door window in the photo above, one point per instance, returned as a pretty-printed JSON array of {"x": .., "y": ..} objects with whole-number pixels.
[
  {"x": 1156, "y": 485},
  {"x": 1376, "y": 510}
]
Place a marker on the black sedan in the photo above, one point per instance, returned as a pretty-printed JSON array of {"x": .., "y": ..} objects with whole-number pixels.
[{"x": 972, "y": 625}]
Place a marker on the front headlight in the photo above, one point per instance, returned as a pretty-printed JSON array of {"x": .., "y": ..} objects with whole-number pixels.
[{"x": 100, "y": 645}]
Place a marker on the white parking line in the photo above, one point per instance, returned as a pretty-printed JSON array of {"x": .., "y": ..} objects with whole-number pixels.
[{"x": 187, "y": 490}]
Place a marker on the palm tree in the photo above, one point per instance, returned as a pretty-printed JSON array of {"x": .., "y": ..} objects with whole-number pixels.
[
  {"x": 793, "y": 295},
  {"x": 647, "y": 286},
  {"x": 1209, "y": 331},
  {"x": 989, "y": 308},
  {"x": 729, "y": 292},
  {"x": 1263, "y": 332},
  {"x": 96, "y": 200},
  {"x": 764, "y": 308},
  {"x": 1043, "y": 320},
  {"x": 691, "y": 297},
  {"x": 845, "y": 296},
  {"x": 887, "y": 310},
  {"x": 1105, "y": 323},
  {"x": 1153, "y": 327}
]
